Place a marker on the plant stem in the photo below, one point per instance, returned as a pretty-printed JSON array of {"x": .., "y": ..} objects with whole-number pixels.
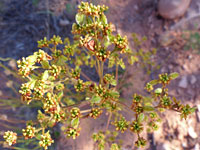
[
  {"x": 95, "y": 65},
  {"x": 116, "y": 73},
  {"x": 85, "y": 111},
  {"x": 122, "y": 79},
  {"x": 80, "y": 104},
  {"x": 5, "y": 59},
  {"x": 109, "y": 118},
  {"x": 102, "y": 63},
  {"x": 97, "y": 49},
  {"x": 43, "y": 129},
  {"x": 99, "y": 70},
  {"x": 123, "y": 104},
  {"x": 85, "y": 76},
  {"x": 12, "y": 72}
]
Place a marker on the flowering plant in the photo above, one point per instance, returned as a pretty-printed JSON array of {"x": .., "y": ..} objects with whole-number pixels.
[{"x": 58, "y": 81}]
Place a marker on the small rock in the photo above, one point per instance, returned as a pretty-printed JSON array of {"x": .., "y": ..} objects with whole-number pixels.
[
  {"x": 198, "y": 113},
  {"x": 64, "y": 22},
  {"x": 198, "y": 116},
  {"x": 12, "y": 64},
  {"x": 172, "y": 9},
  {"x": 9, "y": 83},
  {"x": 119, "y": 31},
  {"x": 198, "y": 107},
  {"x": 166, "y": 146},
  {"x": 184, "y": 144},
  {"x": 7, "y": 72},
  {"x": 192, "y": 133},
  {"x": 166, "y": 48},
  {"x": 174, "y": 145},
  {"x": 152, "y": 26},
  {"x": 136, "y": 7},
  {"x": 183, "y": 82},
  {"x": 185, "y": 67},
  {"x": 197, "y": 147},
  {"x": 4, "y": 117},
  {"x": 170, "y": 67},
  {"x": 190, "y": 57},
  {"x": 163, "y": 146},
  {"x": 191, "y": 92},
  {"x": 193, "y": 79},
  {"x": 163, "y": 70}
]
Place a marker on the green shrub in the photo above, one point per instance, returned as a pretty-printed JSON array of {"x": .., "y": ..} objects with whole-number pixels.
[{"x": 59, "y": 83}]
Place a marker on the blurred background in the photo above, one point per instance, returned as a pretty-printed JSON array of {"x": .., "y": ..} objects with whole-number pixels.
[{"x": 171, "y": 26}]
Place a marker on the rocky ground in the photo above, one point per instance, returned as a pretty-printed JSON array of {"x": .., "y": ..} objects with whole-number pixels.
[{"x": 24, "y": 22}]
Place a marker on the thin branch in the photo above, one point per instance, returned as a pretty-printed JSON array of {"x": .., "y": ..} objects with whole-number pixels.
[
  {"x": 123, "y": 77},
  {"x": 48, "y": 18},
  {"x": 122, "y": 104},
  {"x": 85, "y": 76},
  {"x": 85, "y": 111},
  {"x": 116, "y": 73},
  {"x": 109, "y": 118}
]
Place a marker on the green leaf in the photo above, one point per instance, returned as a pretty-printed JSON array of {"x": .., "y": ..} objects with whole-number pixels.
[
  {"x": 111, "y": 62},
  {"x": 121, "y": 63},
  {"x": 32, "y": 84},
  {"x": 34, "y": 77},
  {"x": 31, "y": 59},
  {"x": 88, "y": 20},
  {"x": 158, "y": 91},
  {"x": 148, "y": 100},
  {"x": 60, "y": 95},
  {"x": 174, "y": 75},
  {"x": 62, "y": 60},
  {"x": 80, "y": 18},
  {"x": 148, "y": 108},
  {"x": 193, "y": 109},
  {"x": 51, "y": 78},
  {"x": 74, "y": 26},
  {"x": 154, "y": 82},
  {"x": 67, "y": 41},
  {"x": 140, "y": 117},
  {"x": 38, "y": 136},
  {"x": 45, "y": 64},
  {"x": 104, "y": 19},
  {"x": 114, "y": 94},
  {"x": 113, "y": 82},
  {"x": 69, "y": 101},
  {"x": 107, "y": 41},
  {"x": 132, "y": 59},
  {"x": 45, "y": 75},
  {"x": 114, "y": 146},
  {"x": 96, "y": 99},
  {"x": 94, "y": 137},
  {"x": 75, "y": 122},
  {"x": 30, "y": 122}
]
